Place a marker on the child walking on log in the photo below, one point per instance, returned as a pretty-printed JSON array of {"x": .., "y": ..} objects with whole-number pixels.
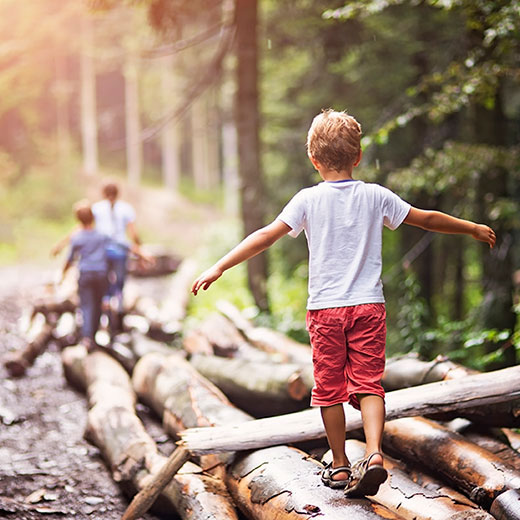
[{"x": 343, "y": 220}]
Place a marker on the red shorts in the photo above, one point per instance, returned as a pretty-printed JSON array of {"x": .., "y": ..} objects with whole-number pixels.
[{"x": 348, "y": 352}]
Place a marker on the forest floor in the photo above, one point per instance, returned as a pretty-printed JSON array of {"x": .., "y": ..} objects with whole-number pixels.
[{"x": 47, "y": 469}]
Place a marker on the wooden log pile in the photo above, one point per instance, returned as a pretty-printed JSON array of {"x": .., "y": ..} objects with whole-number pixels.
[{"x": 235, "y": 398}]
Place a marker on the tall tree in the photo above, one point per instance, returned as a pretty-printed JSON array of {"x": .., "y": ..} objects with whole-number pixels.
[{"x": 248, "y": 125}]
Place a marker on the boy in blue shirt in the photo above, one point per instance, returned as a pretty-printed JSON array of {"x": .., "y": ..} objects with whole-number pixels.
[
  {"x": 88, "y": 247},
  {"x": 343, "y": 220}
]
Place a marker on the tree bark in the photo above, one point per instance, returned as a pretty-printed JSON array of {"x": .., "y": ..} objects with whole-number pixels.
[
  {"x": 399, "y": 493},
  {"x": 275, "y": 484},
  {"x": 409, "y": 370},
  {"x": 17, "y": 362},
  {"x": 507, "y": 506},
  {"x": 130, "y": 452},
  {"x": 260, "y": 389},
  {"x": 472, "y": 469},
  {"x": 227, "y": 341},
  {"x": 134, "y": 151},
  {"x": 283, "y": 483},
  {"x": 88, "y": 100},
  {"x": 170, "y": 134},
  {"x": 247, "y": 115},
  {"x": 267, "y": 339},
  {"x": 469, "y": 392}
]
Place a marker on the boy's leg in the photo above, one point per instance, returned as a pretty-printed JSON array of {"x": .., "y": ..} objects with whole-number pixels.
[
  {"x": 334, "y": 423},
  {"x": 373, "y": 415}
]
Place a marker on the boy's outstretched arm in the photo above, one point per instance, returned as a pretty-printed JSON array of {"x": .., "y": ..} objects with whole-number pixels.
[
  {"x": 443, "y": 223},
  {"x": 253, "y": 244}
]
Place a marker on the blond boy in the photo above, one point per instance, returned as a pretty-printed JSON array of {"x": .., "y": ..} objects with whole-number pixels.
[{"x": 343, "y": 220}]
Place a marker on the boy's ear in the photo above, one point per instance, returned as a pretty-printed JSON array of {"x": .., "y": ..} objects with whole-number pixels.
[
  {"x": 314, "y": 162},
  {"x": 358, "y": 160}
]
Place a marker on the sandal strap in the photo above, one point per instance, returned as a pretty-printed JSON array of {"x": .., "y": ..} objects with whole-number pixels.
[{"x": 339, "y": 469}]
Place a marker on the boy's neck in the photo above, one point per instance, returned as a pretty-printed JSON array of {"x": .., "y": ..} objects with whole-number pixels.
[{"x": 334, "y": 175}]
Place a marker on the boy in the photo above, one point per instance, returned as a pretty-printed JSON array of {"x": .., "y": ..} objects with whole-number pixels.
[
  {"x": 343, "y": 220},
  {"x": 89, "y": 246}
]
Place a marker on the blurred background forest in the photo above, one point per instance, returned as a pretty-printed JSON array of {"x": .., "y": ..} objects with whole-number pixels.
[{"x": 211, "y": 101}]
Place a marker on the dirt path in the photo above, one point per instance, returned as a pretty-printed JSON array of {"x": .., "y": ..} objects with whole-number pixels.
[{"x": 47, "y": 469}]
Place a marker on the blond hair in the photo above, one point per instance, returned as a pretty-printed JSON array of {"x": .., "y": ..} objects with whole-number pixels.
[{"x": 334, "y": 140}]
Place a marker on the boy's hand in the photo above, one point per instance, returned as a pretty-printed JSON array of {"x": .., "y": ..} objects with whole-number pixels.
[
  {"x": 484, "y": 234},
  {"x": 206, "y": 279}
]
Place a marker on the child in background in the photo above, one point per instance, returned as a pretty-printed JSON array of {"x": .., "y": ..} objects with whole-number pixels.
[
  {"x": 88, "y": 247},
  {"x": 343, "y": 220}
]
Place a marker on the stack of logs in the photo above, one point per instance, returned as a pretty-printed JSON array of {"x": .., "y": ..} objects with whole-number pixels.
[{"x": 236, "y": 396}]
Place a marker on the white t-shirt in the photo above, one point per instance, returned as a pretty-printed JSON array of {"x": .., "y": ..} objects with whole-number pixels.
[
  {"x": 343, "y": 223},
  {"x": 113, "y": 221}
]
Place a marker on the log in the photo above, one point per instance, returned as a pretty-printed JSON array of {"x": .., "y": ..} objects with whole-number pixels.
[
  {"x": 226, "y": 340},
  {"x": 276, "y": 484},
  {"x": 507, "y": 506},
  {"x": 40, "y": 333},
  {"x": 492, "y": 439},
  {"x": 265, "y": 338},
  {"x": 470, "y": 468},
  {"x": 409, "y": 370},
  {"x": 283, "y": 483},
  {"x": 51, "y": 306},
  {"x": 132, "y": 454},
  {"x": 183, "y": 398},
  {"x": 399, "y": 493},
  {"x": 66, "y": 332},
  {"x": 260, "y": 389},
  {"x": 469, "y": 392}
]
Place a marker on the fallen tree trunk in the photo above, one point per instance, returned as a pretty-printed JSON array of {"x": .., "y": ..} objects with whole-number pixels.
[
  {"x": 226, "y": 340},
  {"x": 267, "y": 339},
  {"x": 409, "y": 370},
  {"x": 183, "y": 398},
  {"x": 401, "y": 494},
  {"x": 130, "y": 452},
  {"x": 283, "y": 483},
  {"x": 507, "y": 506},
  {"x": 470, "y": 468},
  {"x": 276, "y": 484},
  {"x": 39, "y": 335},
  {"x": 469, "y": 392},
  {"x": 260, "y": 389}
]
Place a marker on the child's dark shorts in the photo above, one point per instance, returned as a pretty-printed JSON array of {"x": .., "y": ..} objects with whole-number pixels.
[{"x": 348, "y": 352}]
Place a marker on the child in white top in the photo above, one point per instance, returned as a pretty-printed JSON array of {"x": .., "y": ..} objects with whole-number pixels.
[{"x": 343, "y": 220}]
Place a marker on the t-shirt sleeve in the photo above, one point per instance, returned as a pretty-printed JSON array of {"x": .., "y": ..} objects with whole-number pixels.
[
  {"x": 293, "y": 214},
  {"x": 73, "y": 248},
  {"x": 395, "y": 209}
]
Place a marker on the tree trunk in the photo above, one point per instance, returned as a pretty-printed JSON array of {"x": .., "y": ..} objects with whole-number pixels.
[
  {"x": 401, "y": 494},
  {"x": 227, "y": 341},
  {"x": 497, "y": 280},
  {"x": 284, "y": 483},
  {"x": 267, "y": 339},
  {"x": 169, "y": 135},
  {"x": 409, "y": 370},
  {"x": 276, "y": 484},
  {"x": 40, "y": 333},
  {"x": 88, "y": 99},
  {"x": 470, "y": 392},
  {"x": 130, "y": 452},
  {"x": 134, "y": 148},
  {"x": 260, "y": 389},
  {"x": 248, "y": 124},
  {"x": 507, "y": 506},
  {"x": 476, "y": 471}
]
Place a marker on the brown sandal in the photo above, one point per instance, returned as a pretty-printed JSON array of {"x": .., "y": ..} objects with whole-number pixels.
[
  {"x": 328, "y": 473},
  {"x": 366, "y": 479}
]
